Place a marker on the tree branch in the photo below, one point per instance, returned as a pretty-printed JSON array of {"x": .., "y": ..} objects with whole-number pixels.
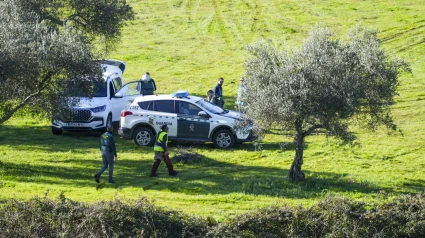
[
  {"x": 311, "y": 129},
  {"x": 54, "y": 20},
  {"x": 74, "y": 17},
  {"x": 19, "y": 106},
  {"x": 46, "y": 78},
  {"x": 8, "y": 115}
]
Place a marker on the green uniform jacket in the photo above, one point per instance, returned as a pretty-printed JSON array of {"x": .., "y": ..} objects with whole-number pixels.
[{"x": 107, "y": 143}]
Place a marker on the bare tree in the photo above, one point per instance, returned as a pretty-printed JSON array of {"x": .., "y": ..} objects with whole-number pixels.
[{"x": 325, "y": 85}]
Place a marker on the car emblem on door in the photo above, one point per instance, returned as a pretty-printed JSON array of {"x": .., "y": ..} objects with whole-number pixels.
[{"x": 192, "y": 127}]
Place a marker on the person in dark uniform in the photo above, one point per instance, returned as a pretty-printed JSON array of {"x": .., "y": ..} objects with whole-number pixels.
[
  {"x": 108, "y": 151},
  {"x": 148, "y": 85},
  {"x": 218, "y": 93},
  {"x": 161, "y": 153}
]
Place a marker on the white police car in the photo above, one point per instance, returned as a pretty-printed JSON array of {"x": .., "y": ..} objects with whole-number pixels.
[
  {"x": 104, "y": 108},
  {"x": 189, "y": 118}
]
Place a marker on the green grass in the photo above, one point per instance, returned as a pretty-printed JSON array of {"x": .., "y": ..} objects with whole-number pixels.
[{"x": 188, "y": 45}]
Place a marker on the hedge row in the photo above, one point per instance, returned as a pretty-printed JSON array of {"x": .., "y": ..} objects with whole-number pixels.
[
  {"x": 332, "y": 217},
  {"x": 43, "y": 217}
]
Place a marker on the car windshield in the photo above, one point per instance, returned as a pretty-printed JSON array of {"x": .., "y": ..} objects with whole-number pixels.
[
  {"x": 212, "y": 108},
  {"x": 74, "y": 89}
]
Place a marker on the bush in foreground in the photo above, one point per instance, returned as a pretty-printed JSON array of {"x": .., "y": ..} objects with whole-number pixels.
[
  {"x": 332, "y": 217},
  {"x": 42, "y": 217}
]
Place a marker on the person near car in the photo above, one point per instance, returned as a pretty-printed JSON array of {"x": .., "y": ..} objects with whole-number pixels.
[
  {"x": 210, "y": 95},
  {"x": 108, "y": 151},
  {"x": 148, "y": 85},
  {"x": 242, "y": 90},
  {"x": 161, "y": 153},
  {"x": 218, "y": 93}
]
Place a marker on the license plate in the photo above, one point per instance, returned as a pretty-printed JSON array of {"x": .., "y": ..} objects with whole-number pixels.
[{"x": 75, "y": 124}]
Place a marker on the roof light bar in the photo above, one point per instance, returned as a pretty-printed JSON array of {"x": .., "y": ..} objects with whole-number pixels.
[{"x": 180, "y": 94}]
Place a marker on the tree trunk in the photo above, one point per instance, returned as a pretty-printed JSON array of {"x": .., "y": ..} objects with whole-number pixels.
[
  {"x": 38, "y": 88},
  {"x": 295, "y": 173},
  {"x": 10, "y": 113}
]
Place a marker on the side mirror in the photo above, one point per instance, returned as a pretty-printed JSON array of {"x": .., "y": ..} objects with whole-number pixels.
[
  {"x": 202, "y": 114},
  {"x": 118, "y": 95}
]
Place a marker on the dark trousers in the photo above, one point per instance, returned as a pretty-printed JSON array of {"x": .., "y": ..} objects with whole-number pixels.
[{"x": 108, "y": 160}]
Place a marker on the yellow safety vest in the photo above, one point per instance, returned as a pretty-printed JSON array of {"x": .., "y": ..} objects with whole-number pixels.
[{"x": 158, "y": 144}]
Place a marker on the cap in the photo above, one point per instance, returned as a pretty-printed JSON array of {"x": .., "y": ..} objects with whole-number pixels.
[{"x": 164, "y": 127}]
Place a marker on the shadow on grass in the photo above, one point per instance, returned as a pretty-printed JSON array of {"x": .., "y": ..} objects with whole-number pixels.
[
  {"x": 201, "y": 177},
  {"x": 204, "y": 177},
  {"x": 41, "y": 138}
]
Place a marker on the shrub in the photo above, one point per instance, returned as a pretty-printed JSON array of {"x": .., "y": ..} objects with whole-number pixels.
[
  {"x": 186, "y": 155},
  {"x": 403, "y": 216},
  {"x": 332, "y": 217},
  {"x": 65, "y": 218}
]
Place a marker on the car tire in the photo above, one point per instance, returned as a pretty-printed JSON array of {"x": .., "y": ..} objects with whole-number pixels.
[
  {"x": 143, "y": 137},
  {"x": 224, "y": 139},
  {"x": 56, "y": 131}
]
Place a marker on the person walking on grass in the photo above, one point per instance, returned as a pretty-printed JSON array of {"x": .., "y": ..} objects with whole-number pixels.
[
  {"x": 161, "y": 153},
  {"x": 108, "y": 151}
]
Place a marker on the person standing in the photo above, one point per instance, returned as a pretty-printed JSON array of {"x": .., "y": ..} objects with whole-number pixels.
[
  {"x": 218, "y": 93},
  {"x": 148, "y": 85},
  {"x": 242, "y": 91},
  {"x": 210, "y": 95},
  {"x": 108, "y": 151},
  {"x": 161, "y": 153}
]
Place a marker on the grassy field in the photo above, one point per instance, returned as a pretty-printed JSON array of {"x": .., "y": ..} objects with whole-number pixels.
[{"x": 188, "y": 45}]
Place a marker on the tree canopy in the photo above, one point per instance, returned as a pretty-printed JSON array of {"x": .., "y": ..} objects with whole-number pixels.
[
  {"x": 45, "y": 43},
  {"x": 327, "y": 84}
]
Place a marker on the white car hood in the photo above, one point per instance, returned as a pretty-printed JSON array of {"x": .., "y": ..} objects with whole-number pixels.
[
  {"x": 233, "y": 115},
  {"x": 91, "y": 102}
]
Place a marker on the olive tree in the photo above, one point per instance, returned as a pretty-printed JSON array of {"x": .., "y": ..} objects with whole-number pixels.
[
  {"x": 42, "y": 48},
  {"x": 99, "y": 20},
  {"x": 326, "y": 84}
]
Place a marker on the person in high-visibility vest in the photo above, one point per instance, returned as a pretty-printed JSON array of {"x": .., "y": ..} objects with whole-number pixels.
[{"x": 161, "y": 153}]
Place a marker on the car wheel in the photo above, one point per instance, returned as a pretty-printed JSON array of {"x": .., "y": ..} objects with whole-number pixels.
[
  {"x": 143, "y": 136},
  {"x": 56, "y": 131},
  {"x": 224, "y": 139}
]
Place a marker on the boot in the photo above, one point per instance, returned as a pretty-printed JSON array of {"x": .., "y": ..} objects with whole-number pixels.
[
  {"x": 171, "y": 171},
  {"x": 155, "y": 168}
]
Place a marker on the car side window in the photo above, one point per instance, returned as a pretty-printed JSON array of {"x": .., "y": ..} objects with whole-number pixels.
[
  {"x": 188, "y": 108},
  {"x": 111, "y": 89},
  {"x": 182, "y": 107},
  {"x": 130, "y": 89},
  {"x": 147, "y": 105},
  {"x": 164, "y": 106},
  {"x": 117, "y": 83}
]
